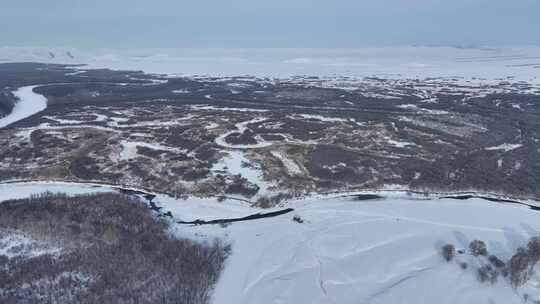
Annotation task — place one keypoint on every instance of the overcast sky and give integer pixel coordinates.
(269, 23)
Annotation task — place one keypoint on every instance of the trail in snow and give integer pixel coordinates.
(28, 104)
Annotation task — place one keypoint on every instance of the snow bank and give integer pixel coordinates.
(505, 147)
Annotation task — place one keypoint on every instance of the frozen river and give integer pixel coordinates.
(28, 104)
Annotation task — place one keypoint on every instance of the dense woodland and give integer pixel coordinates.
(103, 248)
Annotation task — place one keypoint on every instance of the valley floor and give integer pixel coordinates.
(348, 251)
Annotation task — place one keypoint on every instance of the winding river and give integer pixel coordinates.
(28, 104)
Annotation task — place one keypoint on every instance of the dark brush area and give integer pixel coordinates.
(370, 141)
(112, 250)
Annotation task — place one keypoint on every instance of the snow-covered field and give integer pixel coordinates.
(29, 104)
(384, 251)
(392, 62)
(346, 251)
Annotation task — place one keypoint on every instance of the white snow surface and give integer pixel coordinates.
(26, 189)
(506, 147)
(346, 251)
(289, 164)
(13, 243)
(384, 251)
(129, 148)
(28, 104)
(235, 163)
(400, 144)
(322, 118)
(214, 108)
(519, 62)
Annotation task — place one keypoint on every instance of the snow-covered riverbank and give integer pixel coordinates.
(349, 251)
(28, 104)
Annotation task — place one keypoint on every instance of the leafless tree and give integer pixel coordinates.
(448, 252)
(533, 248)
(478, 247)
(518, 268)
(113, 250)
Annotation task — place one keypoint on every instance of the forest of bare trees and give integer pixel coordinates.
(517, 270)
(111, 249)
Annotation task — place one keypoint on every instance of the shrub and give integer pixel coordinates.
(478, 247)
(496, 262)
(533, 248)
(448, 252)
(518, 268)
(487, 273)
(3, 260)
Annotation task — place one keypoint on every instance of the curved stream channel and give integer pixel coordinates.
(28, 104)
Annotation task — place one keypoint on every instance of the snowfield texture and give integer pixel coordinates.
(29, 104)
(347, 251)
(386, 62)
(384, 251)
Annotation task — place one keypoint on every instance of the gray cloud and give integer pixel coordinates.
(277, 23)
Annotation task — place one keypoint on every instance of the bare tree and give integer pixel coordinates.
(478, 247)
(533, 248)
(496, 262)
(518, 268)
(448, 252)
(487, 273)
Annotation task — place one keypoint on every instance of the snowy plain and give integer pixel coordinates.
(520, 63)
